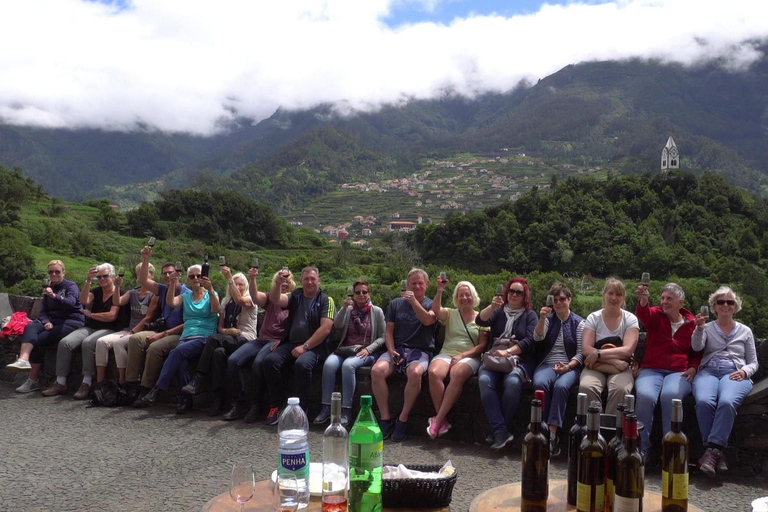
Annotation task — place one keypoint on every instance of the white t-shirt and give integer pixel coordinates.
(595, 322)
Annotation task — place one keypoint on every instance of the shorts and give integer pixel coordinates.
(422, 359)
(473, 362)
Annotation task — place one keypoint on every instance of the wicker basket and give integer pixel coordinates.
(418, 492)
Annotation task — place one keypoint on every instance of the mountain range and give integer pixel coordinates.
(614, 114)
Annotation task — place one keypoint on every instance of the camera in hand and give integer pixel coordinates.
(156, 325)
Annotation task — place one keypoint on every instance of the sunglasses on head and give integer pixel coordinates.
(518, 293)
(721, 302)
(195, 276)
(54, 272)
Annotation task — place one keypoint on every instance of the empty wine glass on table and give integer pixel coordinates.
(286, 493)
(241, 488)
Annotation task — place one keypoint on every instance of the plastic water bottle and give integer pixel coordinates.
(293, 447)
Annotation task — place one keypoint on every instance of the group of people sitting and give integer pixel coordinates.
(507, 344)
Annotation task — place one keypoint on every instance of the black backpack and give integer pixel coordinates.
(109, 394)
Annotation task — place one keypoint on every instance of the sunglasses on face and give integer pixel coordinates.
(558, 300)
(721, 302)
(54, 272)
(518, 293)
(103, 276)
(168, 272)
(195, 276)
(361, 292)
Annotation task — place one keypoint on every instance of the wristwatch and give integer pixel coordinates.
(305, 346)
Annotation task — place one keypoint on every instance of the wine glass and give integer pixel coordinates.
(286, 493)
(550, 301)
(645, 279)
(121, 271)
(151, 241)
(255, 262)
(243, 483)
(222, 261)
(350, 291)
(499, 290)
(704, 311)
(404, 285)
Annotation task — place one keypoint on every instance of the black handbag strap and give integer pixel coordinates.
(467, 329)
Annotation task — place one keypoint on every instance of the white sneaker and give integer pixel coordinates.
(28, 386)
(19, 366)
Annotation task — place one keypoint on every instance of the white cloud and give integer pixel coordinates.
(179, 64)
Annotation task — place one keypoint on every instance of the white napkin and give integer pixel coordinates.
(760, 505)
(400, 471)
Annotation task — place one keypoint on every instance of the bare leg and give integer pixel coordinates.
(101, 374)
(120, 375)
(34, 373)
(379, 374)
(437, 373)
(25, 351)
(460, 373)
(412, 389)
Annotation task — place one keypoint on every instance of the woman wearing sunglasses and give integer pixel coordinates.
(360, 326)
(201, 312)
(728, 361)
(61, 314)
(510, 317)
(669, 363)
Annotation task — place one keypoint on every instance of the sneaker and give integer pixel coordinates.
(501, 439)
(722, 464)
(147, 400)
(194, 386)
(28, 386)
(238, 411)
(20, 365)
(346, 416)
(55, 389)
(432, 428)
(489, 439)
(554, 445)
(83, 391)
(387, 427)
(444, 428)
(273, 416)
(400, 431)
(708, 461)
(323, 416)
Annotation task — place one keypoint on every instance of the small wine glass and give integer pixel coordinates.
(151, 241)
(645, 279)
(404, 285)
(550, 301)
(499, 290)
(286, 493)
(121, 271)
(285, 271)
(222, 261)
(704, 311)
(350, 291)
(243, 483)
(255, 262)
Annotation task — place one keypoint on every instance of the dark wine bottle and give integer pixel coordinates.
(539, 395)
(674, 464)
(630, 470)
(575, 435)
(611, 453)
(535, 477)
(590, 492)
(206, 267)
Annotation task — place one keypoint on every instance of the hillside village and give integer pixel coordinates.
(463, 183)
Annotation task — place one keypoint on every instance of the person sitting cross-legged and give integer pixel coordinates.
(410, 341)
(237, 325)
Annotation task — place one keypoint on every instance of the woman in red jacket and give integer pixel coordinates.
(669, 363)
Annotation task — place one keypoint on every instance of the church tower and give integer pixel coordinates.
(670, 158)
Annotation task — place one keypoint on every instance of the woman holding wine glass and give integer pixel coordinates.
(609, 342)
(670, 361)
(510, 317)
(557, 347)
(460, 355)
(723, 381)
(360, 328)
(61, 314)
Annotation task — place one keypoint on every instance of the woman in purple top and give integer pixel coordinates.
(61, 314)
(244, 376)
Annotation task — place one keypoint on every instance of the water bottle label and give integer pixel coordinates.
(296, 463)
(366, 456)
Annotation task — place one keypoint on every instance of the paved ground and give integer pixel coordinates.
(57, 455)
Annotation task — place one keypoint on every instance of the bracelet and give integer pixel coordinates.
(231, 281)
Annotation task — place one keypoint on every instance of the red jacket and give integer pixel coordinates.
(662, 350)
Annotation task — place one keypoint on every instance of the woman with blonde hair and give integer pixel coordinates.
(61, 314)
(245, 379)
(723, 380)
(460, 355)
(237, 325)
(608, 343)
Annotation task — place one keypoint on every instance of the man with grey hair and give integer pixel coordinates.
(309, 322)
(410, 341)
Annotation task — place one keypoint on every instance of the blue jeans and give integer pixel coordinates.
(500, 411)
(556, 389)
(178, 362)
(717, 398)
(245, 378)
(36, 334)
(348, 366)
(274, 370)
(649, 385)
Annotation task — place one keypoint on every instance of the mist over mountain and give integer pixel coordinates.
(615, 114)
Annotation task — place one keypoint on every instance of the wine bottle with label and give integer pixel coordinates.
(674, 464)
(590, 491)
(630, 470)
(535, 477)
(610, 455)
(575, 436)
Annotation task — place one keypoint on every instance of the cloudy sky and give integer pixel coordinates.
(184, 65)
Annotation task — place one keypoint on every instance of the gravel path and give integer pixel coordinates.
(58, 455)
